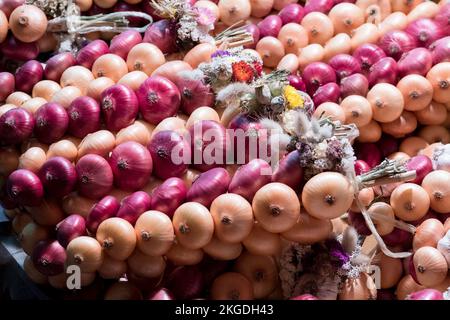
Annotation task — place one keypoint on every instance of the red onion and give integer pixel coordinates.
(194, 94)
(358, 222)
(51, 122)
(395, 43)
(367, 55)
(119, 107)
(297, 82)
(270, 26)
(15, 49)
(102, 210)
(305, 296)
(369, 152)
(387, 145)
(254, 30)
(398, 237)
(148, 8)
(24, 188)
(56, 65)
(244, 126)
(16, 126)
(72, 227)
(133, 206)
(95, 9)
(84, 116)
(383, 71)
(344, 65)
(426, 294)
(168, 196)
(124, 7)
(159, 98)
(317, 74)
(186, 282)
(209, 144)
(386, 294)
(208, 186)
(211, 269)
(422, 164)
(93, 50)
(249, 178)
(292, 13)
(361, 167)
(416, 61)
(161, 294)
(162, 34)
(425, 31)
(356, 84)
(440, 50)
(170, 153)
(58, 176)
(323, 6)
(429, 215)
(289, 171)
(8, 84)
(95, 177)
(131, 165)
(8, 6)
(329, 92)
(49, 257)
(5, 200)
(30, 73)
(443, 18)
(122, 43)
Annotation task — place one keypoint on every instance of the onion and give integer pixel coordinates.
(231, 286)
(289, 171)
(97, 86)
(344, 65)
(270, 26)
(133, 79)
(323, 6)
(146, 266)
(416, 90)
(86, 253)
(329, 92)
(102, 210)
(356, 84)
(28, 75)
(208, 186)
(308, 230)
(330, 110)
(232, 11)
(163, 35)
(56, 65)
(171, 69)
(123, 290)
(145, 57)
(406, 286)
(311, 53)
(367, 33)
(185, 282)
(439, 78)
(425, 294)
(111, 66)
(260, 270)
(391, 270)
(112, 268)
(15, 49)
(9, 161)
(45, 89)
(8, 6)
(8, 85)
(396, 43)
(95, 177)
(24, 188)
(58, 176)
(401, 126)
(271, 51)
(91, 52)
(202, 113)
(17, 98)
(254, 31)
(133, 206)
(33, 104)
(48, 213)
(291, 13)
(77, 76)
(32, 272)
(201, 53)
(262, 242)
(49, 257)
(168, 196)
(319, 26)
(306, 296)
(32, 159)
(410, 202)
(383, 71)
(122, 43)
(66, 96)
(360, 288)
(289, 62)
(432, 134)
(16, 125)
(327, 200)
(346, 17)
(84, 116)
(429, 266)
(394, 21)
(100, 142)
(428, 233)
(412, 145)
(249, 178)
(139, 131)
(31, 235)
(440, 50)
(194, 94)
(193, 225)
(425, 31)
(416, 61)
(70, 228)
(339, 44)
(154, 232)
(119, 107)
(117, 237)
(28, 23)
(387, 102)
(161, 295)
(222, 251)
(357, 110)
(182, 256)
(51, 123)
(422, 165)
(317, 74)
(433, 114)
(438, 190)
(367, 55)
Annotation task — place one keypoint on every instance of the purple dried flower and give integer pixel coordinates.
(337, 252)
(334, 149)
(220, 53)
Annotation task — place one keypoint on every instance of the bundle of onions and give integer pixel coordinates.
(86, 253)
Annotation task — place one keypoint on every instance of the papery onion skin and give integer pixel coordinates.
(93, 50)
(416, 61)
(356, 84)
(162, 34)
(208, 186)
(425, 31)
(28, 75)
(132, 165)
(396, 43)
(84, 116)
(194, 94)
(58, 176)
(95, 177)
(270, 26)
(329, 92)
(104, 209)
(133, 206)
(344, 65)
(16, 125)
(169, 196)
(119, 107)
(440, 49)
(426, 294)
(49, 257)
(185, 282)
(70, 228)
(51, 123)
(15, 49)
(8, 85)
(422, 165)
(24, 188)
(123, 42)
(368, 54)
(56, 65)
(383, 71)
(317, 74)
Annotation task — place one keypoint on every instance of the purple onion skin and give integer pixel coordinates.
(161, 294)
(316, 75)
(396, 43)
(84, 116)
(387, 145)
(169, 196)
(297, 82)
(51, 122)
(119, 106)
(211, 269)
(270, 26)
(369, 152)
(89, 53)
(443, 18)
(416, 61)
(122, 43)
(289, 171)
(386, 294)
(356, 84)
(16, 126)
(398, 237)
(186, 282)
(425, 31)
(7, 85)
(15, 49)
(426, 294)
(356, 219)
(305, 296)
(72, 227)
(323, 6)
(249, 178)
(102, 210)
(24, 188)
(58, 176)
(163, 35)
(345, 65)
(133, 206)
(422, 164)
(440, 49)
(292, 13)
(383, 71)
(134, 21)
(254, 30)
(361, 167)
(367, 55)
(329, 92)
(56, 65)
(95, 176)
(208, 186)
(49, 257)
(28, 75)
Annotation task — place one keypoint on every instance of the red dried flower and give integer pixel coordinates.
(258, 67)
(242, 71)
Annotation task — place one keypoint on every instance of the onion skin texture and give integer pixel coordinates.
(208, 186)
(289, 172)
(95, 177)
(133, 206)
(185, 282)
(119, 107)
(49, 257)
(104, 209)
(16, 126)
(231, 286)
(117, 237)
(70, 228)
(426, 294)
(154, 232)
(169, 196)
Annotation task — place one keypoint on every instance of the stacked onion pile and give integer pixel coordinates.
(86, 142)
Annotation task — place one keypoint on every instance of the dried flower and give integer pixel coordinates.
(242, 72)
(220, 53)
(293, 98)
(204, 16)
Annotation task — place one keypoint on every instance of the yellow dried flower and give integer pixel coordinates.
(293, 98)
